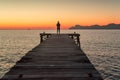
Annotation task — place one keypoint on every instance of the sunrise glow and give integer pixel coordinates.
(44, 14)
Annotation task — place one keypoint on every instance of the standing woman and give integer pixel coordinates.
(58, 27)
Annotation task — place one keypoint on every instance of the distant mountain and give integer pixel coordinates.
(109, 26)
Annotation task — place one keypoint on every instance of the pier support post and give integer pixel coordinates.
(44, 36)
(76, 38)
(41, 38)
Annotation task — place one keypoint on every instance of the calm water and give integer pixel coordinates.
(101, 46)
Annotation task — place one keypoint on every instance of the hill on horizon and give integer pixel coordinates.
(109, 26)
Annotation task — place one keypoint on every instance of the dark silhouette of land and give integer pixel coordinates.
(109, 26)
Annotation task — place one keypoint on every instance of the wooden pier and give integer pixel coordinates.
(57, 57)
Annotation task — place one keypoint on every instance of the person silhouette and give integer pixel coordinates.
(58, 27)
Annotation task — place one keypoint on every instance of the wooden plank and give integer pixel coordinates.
(53, 71)
(50, 76)
(55, 66)
(56, 58)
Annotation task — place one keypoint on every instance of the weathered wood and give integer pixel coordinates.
(56, 58)
(76, 38)
(44, 36)
(54, 77)
(56, 66)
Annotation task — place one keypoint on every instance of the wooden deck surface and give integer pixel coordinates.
(57, 58)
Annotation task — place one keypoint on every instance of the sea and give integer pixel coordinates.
(101, 46)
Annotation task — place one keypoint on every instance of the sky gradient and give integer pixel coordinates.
(44, 14)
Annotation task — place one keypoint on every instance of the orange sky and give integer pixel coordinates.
(44, 14)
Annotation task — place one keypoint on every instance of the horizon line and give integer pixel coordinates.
(46, 28)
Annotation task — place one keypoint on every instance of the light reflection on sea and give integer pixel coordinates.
(101, 46)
